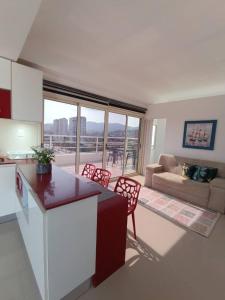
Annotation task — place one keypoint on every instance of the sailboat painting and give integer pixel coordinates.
(200, 134)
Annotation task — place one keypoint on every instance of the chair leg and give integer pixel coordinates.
(134, 227)
(127, 159)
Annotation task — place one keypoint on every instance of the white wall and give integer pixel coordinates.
(16, 135)
(16, 19)
(159, 146)
(196, 109)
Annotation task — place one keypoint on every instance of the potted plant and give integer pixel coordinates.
(44, 157)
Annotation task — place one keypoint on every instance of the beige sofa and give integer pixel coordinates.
(166, 177)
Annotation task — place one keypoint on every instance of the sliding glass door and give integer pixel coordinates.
(132, 145)
(115, 147)
(60, 132)
(91, 136)
(80, 135)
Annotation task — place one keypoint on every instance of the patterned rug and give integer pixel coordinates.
(197, 219)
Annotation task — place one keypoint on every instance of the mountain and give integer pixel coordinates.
(93, 127)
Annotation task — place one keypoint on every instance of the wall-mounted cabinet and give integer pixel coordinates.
(5, 104)
(27, 93)
(5, 74)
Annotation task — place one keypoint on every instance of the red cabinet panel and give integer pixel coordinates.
(5, 104)
(111, 237)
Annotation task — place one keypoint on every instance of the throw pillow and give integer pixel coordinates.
(204, 174)
(200, 174)
(212, 173)
(188, 170)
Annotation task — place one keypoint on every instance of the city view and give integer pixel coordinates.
(60, 128)
(66, 126)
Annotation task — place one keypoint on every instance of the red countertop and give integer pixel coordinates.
(58, 188)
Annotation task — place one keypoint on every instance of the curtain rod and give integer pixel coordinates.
(61, 89)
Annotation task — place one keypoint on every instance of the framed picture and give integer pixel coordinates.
(199, 134)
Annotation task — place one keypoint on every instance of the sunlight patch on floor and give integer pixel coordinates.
(161, 235)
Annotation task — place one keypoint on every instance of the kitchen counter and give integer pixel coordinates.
(57, 217)
(74, 230)
(6, 161)
(58, 188)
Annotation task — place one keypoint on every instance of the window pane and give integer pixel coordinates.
(131, 159)
(60, 124)
(116, 143)
(91, 136)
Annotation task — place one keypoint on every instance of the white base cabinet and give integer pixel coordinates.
(31, 223)
(8, 199)
(60, 242)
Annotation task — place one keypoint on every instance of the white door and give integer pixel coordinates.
(158, 139)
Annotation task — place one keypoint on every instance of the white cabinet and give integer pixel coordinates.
(5, 74)
(27, 93)
(60, 242)
(31, 222)
(8, 199)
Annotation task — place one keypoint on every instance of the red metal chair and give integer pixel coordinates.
(88, 171)
(102, 177)
(129, 188)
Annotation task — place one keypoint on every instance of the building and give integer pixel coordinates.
(48, 128)
(73, 126)
(60, 126)
(83, 126)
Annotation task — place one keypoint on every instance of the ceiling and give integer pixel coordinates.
(16, 19)
(140, 51)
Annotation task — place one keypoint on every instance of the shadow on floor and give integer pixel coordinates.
(141, 248)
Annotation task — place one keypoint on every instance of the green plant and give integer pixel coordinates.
(43, 155)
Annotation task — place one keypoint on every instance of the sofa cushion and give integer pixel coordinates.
(180, 183)
(218, 182)
(169, 163)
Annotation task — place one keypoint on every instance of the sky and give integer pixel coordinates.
(56, 110)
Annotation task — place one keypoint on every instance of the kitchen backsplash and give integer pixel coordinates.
(18, 136)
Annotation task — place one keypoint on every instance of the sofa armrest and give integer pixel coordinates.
(218, 183)
(150, 170)
(217, 195)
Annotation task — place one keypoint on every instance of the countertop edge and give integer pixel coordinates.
(48, 207)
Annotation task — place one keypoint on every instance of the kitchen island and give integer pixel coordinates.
(58, 220)
(61, 219)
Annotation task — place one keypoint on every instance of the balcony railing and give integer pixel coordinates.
(63, 144)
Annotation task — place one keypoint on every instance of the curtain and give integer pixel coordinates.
(146, 135)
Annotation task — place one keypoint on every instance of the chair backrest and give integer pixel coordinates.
(128, 188)
(88, 171)
(102, 177)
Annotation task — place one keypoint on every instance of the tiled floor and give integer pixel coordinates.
(167, 262)
(116, 169)
(16, 277)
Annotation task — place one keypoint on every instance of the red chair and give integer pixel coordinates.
(88, 171)
(102, 177)
(129, 188)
